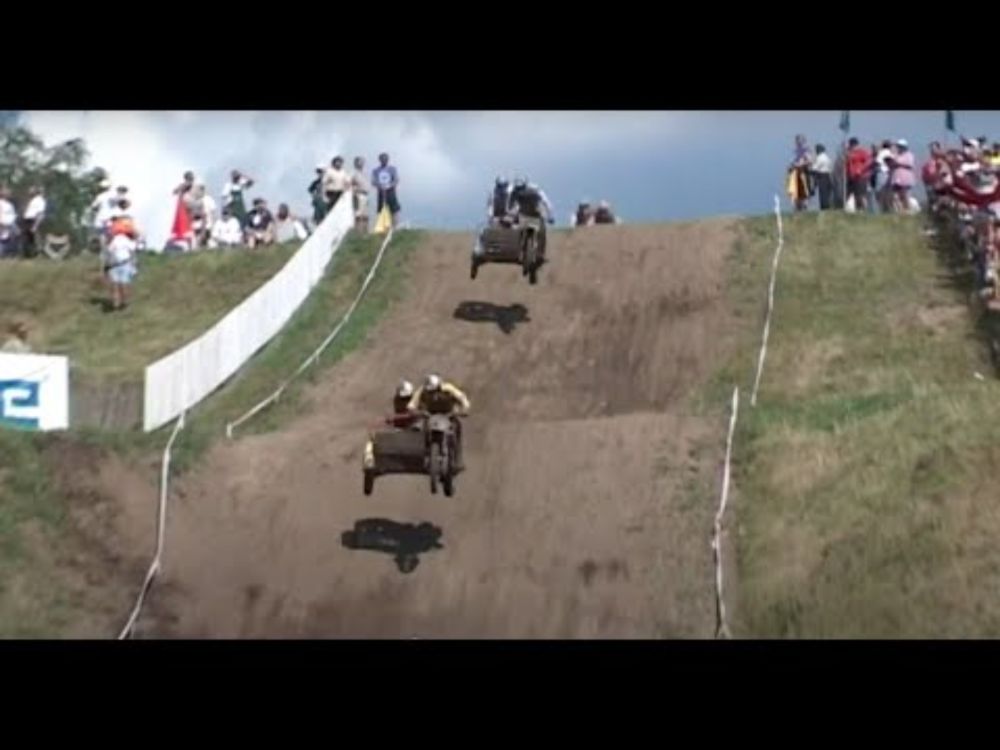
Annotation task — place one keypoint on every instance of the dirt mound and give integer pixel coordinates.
(579, 514)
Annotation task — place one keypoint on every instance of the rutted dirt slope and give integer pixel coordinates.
(579, 514)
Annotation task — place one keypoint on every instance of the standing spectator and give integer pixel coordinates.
(232, 195)
(316, 193)
(799, 187)
(822, 170)
(187, 185)
(260, 224)
(287, 227)
(8, 224)
(101, 209)
(386, 180)
(859, 168)
(361, 186)
(226, 231)
(120, 261)
(931, 175)
(883, 174)
(32, 220)
(336, 181)
(205, 210)
(903, 176)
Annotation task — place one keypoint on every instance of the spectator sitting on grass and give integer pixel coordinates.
(260, 224)
(226, 232)
(17, 342)
(120, 260)
(287, 228)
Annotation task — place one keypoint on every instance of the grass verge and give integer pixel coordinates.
(175, 298)
(864, 505)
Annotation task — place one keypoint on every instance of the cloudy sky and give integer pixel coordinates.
(652, 166)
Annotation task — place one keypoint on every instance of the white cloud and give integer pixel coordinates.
(441, 156)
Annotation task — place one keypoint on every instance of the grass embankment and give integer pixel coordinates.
(175, 299)
(36, 596)
(865, 477)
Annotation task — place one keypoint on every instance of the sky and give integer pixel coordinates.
(652, 166)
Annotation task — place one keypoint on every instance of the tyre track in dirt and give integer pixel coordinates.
(578, 513)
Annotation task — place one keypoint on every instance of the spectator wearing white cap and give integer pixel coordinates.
(903, 177)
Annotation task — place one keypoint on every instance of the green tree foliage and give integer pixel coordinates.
(61, 170)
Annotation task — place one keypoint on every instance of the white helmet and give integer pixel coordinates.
(520, 181)
(432, 383)
(405, 389)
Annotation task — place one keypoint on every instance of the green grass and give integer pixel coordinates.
(175, 298)
(865, 504)
(33, 599)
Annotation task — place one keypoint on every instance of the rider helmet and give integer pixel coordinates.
(520, 182)
(502, 181)
(433, 383)
(405, 389)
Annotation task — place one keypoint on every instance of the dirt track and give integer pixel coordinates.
(577, 516)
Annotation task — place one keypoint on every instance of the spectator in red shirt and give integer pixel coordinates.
(859, 167)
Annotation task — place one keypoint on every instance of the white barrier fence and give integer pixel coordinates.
(311, 359)
(180, 380)
(34, 392)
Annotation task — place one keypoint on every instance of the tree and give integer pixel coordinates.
(70, 187)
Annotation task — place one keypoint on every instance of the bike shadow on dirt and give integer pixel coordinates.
(404, 541)
(506, 317)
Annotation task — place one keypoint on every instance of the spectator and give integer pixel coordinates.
(883, 185)
(336, 181)
(32, 220)
(120, 261)
(903, 176)
(117, 209)
(822, 169)
(101, 209)
(187, 184)
(226, 231)
(17, 343)
(799, 179)
(8, 224)
(203, 214)
(232, 195)
(260, 224)
(995, 156)
(859, 169)
(604, 214)
(361, 186)
(287, 228)
(386, 180)
(931, 174)
(316, 193)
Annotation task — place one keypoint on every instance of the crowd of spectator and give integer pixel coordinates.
(963, 196)
(961, 187)
(877, 177)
